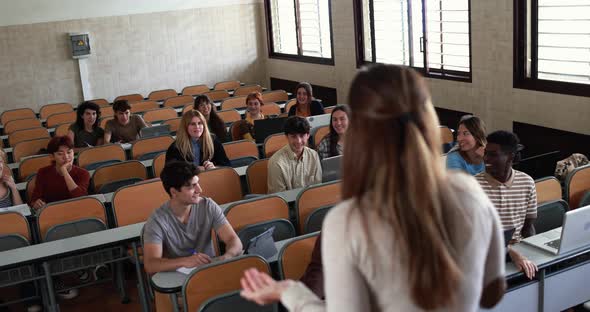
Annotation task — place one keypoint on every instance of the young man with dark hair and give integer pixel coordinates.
(125, 127)
(511, 191)
(178, 234)
(295, 165)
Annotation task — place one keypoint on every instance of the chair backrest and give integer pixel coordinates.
(576, 184)
(290, 104)
(239, 149)
(30, 186)
(100, 102)
(14, 114)
(271, 109)
(446, 135)
(227, 85)
(135, 203)
(74, 228)
(217, 278)
(234, 102)
(260, 209)
(187, 108)
(107, 111)
(160, 114)
(316, 219)
(149, 145)
(319, 133)
(548, 189)
(273, 143)
(158, 164)
(232, 301)
(14, 223)
(222, 184)
(9, 242)
(174, 123)
(194, 90)
(245, 90)
(316, 196)
(27, 134)
(275, 96)
(62, 129)
(162, 94)
(550, 215)
(118, 171)
(19, 124)
(257, 176)
(31, 165)
(295, 256)
(69, 210)
(217, 95)
(131, 98)
(100, 154)
(229, 115)
(28, 148)
(143, 106)
(178, 101)
(329, 109)
(283, 229)
(103, 121)
(60, 118)
(50, 109)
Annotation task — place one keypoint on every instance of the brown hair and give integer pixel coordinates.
(307, 87)
(476, 127)
(395, 124)
(255, 96)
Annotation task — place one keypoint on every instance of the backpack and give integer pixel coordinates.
(566, 166)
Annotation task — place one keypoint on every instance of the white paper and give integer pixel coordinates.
(184, 270)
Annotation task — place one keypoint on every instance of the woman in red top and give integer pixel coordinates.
(61, 180)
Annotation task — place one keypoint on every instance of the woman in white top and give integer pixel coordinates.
(409, 236)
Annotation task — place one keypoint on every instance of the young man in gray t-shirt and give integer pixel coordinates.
(178, 234)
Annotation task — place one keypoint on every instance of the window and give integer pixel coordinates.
(300, 30)
(432, 36)
(552, 46)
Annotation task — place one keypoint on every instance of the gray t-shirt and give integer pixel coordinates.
(178, 239)
(126, 133)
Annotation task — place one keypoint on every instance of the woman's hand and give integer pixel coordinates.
(9, 181)
(261, 288)
(208, 165)
(523, 264)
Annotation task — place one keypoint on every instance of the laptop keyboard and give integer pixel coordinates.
(554, 243)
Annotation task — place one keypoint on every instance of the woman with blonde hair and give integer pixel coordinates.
(409, 236)
(195, 144)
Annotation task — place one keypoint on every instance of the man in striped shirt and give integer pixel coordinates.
(511, 191)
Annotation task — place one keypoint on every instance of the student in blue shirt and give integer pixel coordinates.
(467, 154)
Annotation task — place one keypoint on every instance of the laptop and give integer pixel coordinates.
(154, 131)
(262, 244)
(264, 128)
(574, 234)
(331, 170)
(318, 120)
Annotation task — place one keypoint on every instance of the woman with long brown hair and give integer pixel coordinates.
(305, 105)
(409, 236)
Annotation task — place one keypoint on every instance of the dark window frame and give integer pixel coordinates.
(299, 57)
(520, 44)
(429, 73)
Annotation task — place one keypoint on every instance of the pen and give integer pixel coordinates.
(193, 251)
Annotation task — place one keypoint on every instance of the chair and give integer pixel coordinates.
(14, 114)
(232, 301)
(271, 109)
(283, 229)
(243, 148)
(103, 121)
(187, 108)
(60, 118)
(130, 170)
(257, 176)
(217, 95)
(31, 165)
(107, 111)
(179, 101)
(329, 109)
(295, 256)
(194, 90)
(100, 102)
(318, 134)
(131, 98)
(135, 203)
(314, 221)
(222, 184)
(446, 135)
(229, 115)
(227, 85)
(585, 201)
(62, 129)
(27, 134)
(162, 94)
(100, 154)
(260, 209)
(316, 196)
(234, 102)
(576, 184)
(159, 114)
(550, 215)
(217, 278)
(28, 148)
(147, 148)
(50, 109)
(174, 124)
(14, 223)
(142, 106)
(158, 164)
(275, 96)
(245, 90)
(20, 124)
(273, 143)
(290, 104)
(30, 186)
(548, 189)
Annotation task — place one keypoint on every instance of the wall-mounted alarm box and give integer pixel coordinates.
(80, 43)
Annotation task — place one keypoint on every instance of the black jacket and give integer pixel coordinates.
(219, 157)
(316, 108)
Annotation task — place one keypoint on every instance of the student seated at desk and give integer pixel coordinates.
(216, 125)
(178, 234)
(9, 195)
(125, 127)
(61, 180)
(85, 132)
(467, 154)
(254, 107)
(511, 191)
(295, 165)
(306, 106)
(194, 143)
(333, 143)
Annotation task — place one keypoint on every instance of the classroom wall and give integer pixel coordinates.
(490, 95)
(137, 46)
